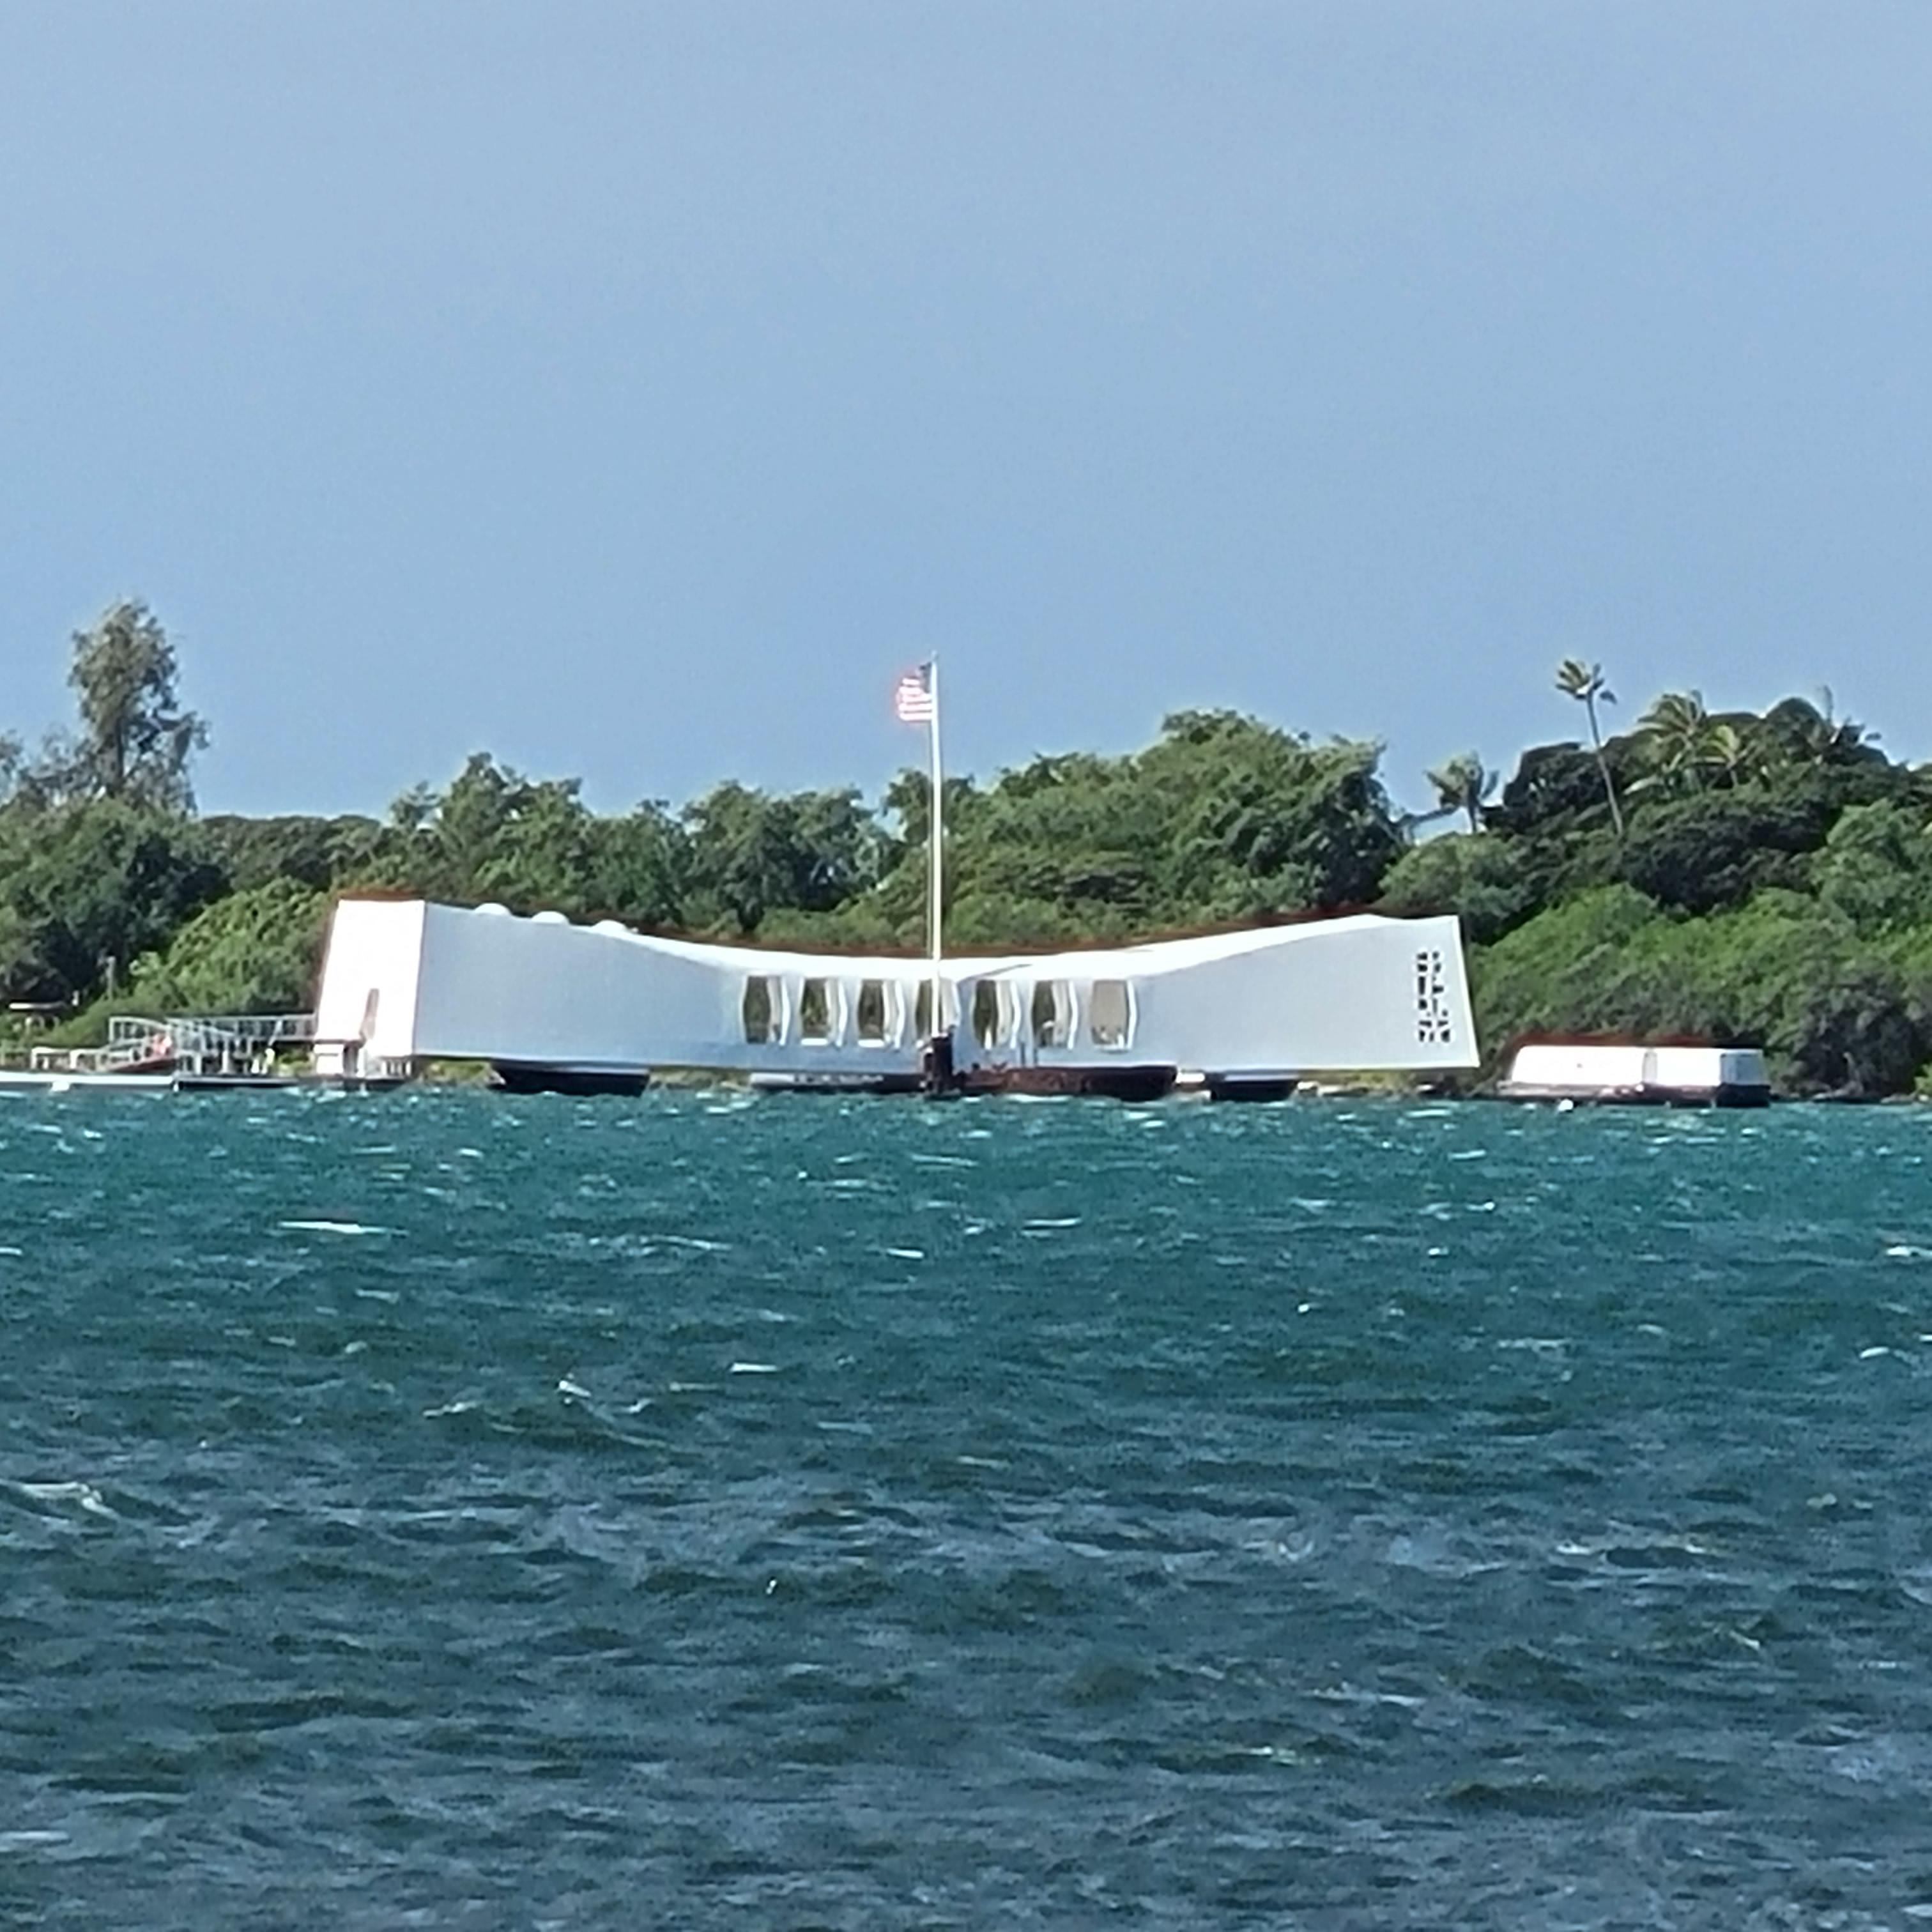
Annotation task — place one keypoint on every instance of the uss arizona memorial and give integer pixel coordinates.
(549, 1003)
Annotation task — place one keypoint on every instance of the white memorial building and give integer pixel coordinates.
(550, 1004)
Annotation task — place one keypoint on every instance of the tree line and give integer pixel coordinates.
(1752, 877)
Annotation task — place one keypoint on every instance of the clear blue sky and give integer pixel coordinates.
(634, 390)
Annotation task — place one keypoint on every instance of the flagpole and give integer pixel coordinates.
(935, 877)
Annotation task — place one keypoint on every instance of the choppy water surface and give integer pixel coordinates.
(440, 1508)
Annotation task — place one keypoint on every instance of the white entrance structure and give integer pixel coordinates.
(549, 1003)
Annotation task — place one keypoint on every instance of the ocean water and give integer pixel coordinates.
(440, 1509)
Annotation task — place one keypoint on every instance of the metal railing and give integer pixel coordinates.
(196, 1044)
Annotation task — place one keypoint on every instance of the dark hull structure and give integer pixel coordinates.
(221, 1083)
(835, 1083)
(1131, 1083)
(1226, 1087)
(1740, 1096)
(515, 1077)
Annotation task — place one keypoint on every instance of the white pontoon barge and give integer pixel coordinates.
(1668, 1073)
(552, 1005)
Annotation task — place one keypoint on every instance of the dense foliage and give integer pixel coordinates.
(1766, 879)
(1772, 884)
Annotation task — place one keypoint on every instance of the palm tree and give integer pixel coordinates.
(1736, 755)
(1585, 682)
(1807, 734)
(1463, 785)
(1676, 735)
(1688, 748)
(1843, 740)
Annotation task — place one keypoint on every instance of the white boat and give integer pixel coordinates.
(1671, 1072)
(550, 1004)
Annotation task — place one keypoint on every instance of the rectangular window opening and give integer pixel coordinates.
(1052, 1013)
(986, 1013)
(1110, 1017)
(921, 1011)
(870, 1013)
(814, 1011)
(761, 1010)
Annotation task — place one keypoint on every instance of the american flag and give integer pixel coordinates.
(913, 697)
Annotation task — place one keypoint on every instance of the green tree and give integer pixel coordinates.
(1805, 733)
(254, 952)
(319, 852)
(1554, 789)
(1876, 870)
(1857, 1034)
(751, 852)
(90, 887)
(531, 843)
(136, 743)
(641, 866)
(1715, 849)
(547, 850)
(25, 970)
(1073, 832)
(1254, 820)
(1477, 875)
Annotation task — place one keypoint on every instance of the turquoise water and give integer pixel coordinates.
(444, 1509)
